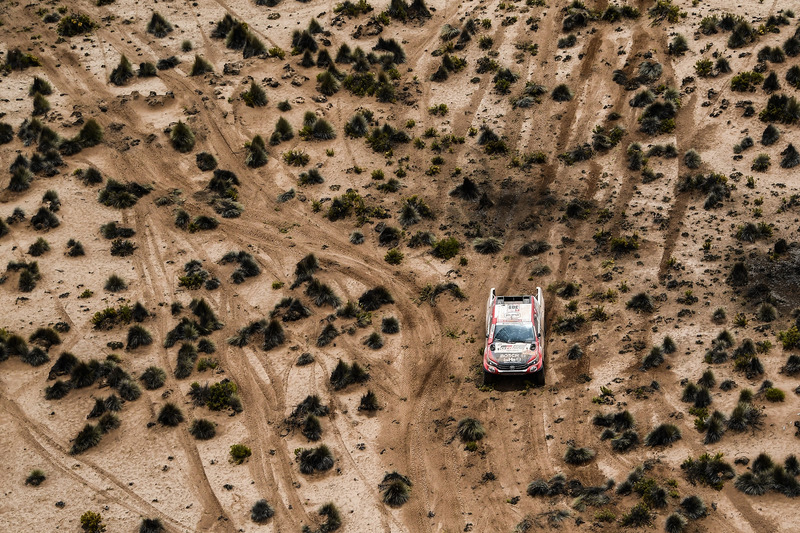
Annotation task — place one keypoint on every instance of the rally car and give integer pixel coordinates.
(514, 336)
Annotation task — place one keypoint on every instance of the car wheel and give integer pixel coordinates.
(538, 378)
(488, 378)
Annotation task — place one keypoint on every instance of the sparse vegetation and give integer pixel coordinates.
(663, 435)
(261, 512)
(202, 429)
(313, 460)
(470, 430)
(239, 453)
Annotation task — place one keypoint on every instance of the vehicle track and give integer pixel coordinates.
(37, 436)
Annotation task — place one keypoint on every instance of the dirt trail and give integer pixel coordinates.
(427, 377)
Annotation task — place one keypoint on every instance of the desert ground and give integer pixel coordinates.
(609, 154)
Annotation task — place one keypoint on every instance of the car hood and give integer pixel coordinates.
(504, 347)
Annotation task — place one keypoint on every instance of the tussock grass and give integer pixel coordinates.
(88, 437)
(395, 489)
(344, 374)
(261, 512)
(201, 66)
(627, 441)
(170, 415)
(641, 302)
(653, 359)
(313, 460)
(333, 518)
(311, 405)
(274, 335)
(390, 325)
(374, 341)
(108, 422)
(305, 359)
(487, 245)
(369, 402)
(312, 428)
(693, 507)
(153, 377)
(327, 335)
(708, 470)
(322, 294)
(675, 523)
(151, 525)
(663, 435)
(470, 430)
(374, 299)
(35, 478)
(138, 336)
(532, 248)
(202, 429)
(35, 357)
(578, 456)
(57, 390)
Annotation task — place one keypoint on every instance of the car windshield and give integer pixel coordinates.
(513, 333)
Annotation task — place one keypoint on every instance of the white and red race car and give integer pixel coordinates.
(514, 336)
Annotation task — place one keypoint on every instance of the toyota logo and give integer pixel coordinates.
(512, 367)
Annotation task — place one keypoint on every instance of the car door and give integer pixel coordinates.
(489, 310)
(540, 315)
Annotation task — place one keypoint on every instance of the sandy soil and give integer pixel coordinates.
(427, 377)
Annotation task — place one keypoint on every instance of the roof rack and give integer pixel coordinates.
(514, 299)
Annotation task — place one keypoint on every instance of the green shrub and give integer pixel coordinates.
(92, 522)
(774, 394)
(446, 248)
(18, 60)
(222, 395)
(746, 81)
(394, 256)
(75, 24)
(296, 158)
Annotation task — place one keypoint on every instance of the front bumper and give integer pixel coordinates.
(512, 368)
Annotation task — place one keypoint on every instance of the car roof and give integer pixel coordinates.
(513, 312)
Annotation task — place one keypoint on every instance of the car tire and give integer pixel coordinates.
(538, 378)
(488, 378)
